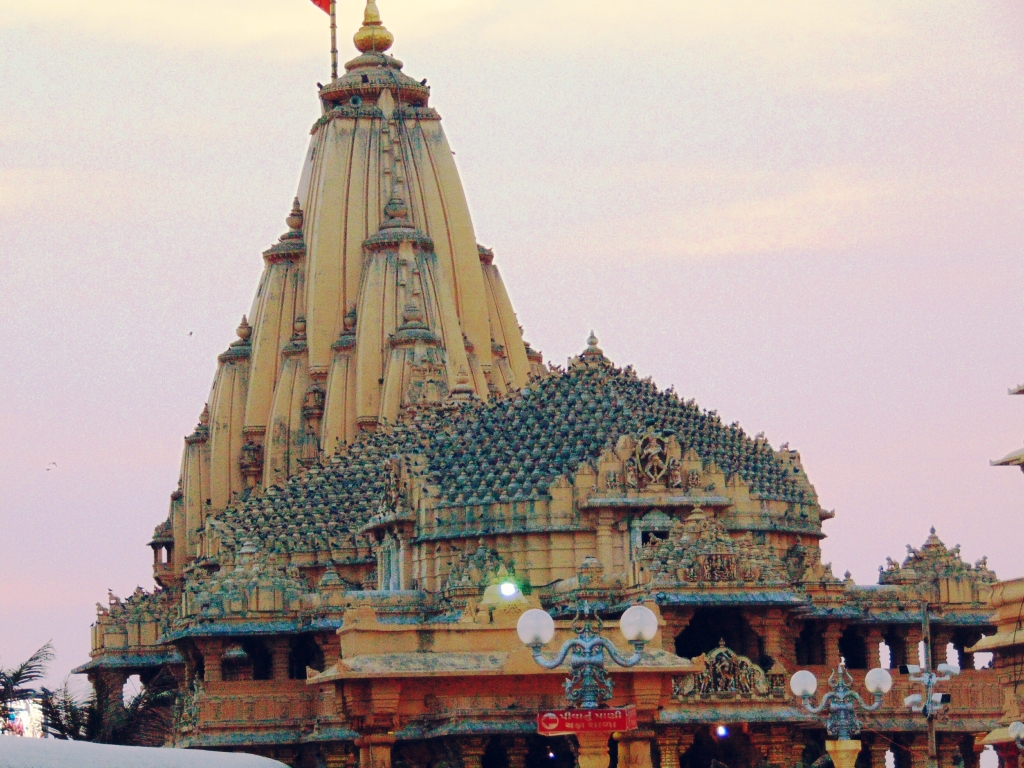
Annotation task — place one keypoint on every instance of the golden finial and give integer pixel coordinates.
(373, 35)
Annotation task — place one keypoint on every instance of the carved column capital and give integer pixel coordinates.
(668, 747)
(517, 752)
(831, 635)
(212, 649)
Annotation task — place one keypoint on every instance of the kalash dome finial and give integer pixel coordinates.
(373, 35)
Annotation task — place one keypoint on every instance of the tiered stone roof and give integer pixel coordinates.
(510, 450)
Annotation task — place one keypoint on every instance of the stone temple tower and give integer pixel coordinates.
(378, 296)
(386, 478)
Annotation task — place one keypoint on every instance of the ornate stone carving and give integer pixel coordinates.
(651, 464)
(727, 675)
(478, 568)
(702, 551)
(391, 495)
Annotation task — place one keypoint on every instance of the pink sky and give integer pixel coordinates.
(806, 215)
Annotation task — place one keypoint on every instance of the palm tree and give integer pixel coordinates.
(144, 720)
(16, 683)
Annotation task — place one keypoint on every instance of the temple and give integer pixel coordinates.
(1007, 646)
(386, 476)
(1015, 459)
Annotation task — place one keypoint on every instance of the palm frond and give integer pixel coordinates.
(16, 683)
(65, 717)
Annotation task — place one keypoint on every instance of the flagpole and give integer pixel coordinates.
(334, 43)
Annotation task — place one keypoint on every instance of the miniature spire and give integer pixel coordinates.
(396, 213)
(593, 352)
(244, 330)
(294, 219)
(373, 35)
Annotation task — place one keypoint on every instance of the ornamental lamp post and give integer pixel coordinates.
(589, 685)
(931, 703)
(842, 702)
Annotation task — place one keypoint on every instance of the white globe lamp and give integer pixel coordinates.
(803, 683)
(535, 626)
(1016, 730)
(878, 681)
(639, 623)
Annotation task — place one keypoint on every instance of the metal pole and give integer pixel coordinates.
(334, 43)
(926, 633)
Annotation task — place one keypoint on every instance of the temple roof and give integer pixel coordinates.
(509, 450)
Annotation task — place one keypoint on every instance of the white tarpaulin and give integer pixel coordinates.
(18, 752)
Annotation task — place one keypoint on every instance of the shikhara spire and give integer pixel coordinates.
(377, 297)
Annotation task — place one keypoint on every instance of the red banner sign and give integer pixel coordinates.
(567, 721)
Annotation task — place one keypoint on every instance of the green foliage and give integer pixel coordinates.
(16, 683)
(102, 717)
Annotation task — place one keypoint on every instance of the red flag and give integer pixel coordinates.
(323, 5)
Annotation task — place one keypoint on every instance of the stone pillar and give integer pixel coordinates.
(635, 749)
(797, 747)
(917, 746)
(592, 753)
(473, 751)
(780, 745)
(913, 635)
(109, 687)
(759, 741)
(338, 756)
(896, 639)
(873, 637)
(375, 750)
(779, 642)
(831, 637)
(878, 747)
(668, 747)
(212, 650)
(405, 567)
(675, 622)
(941, 637)
(605, 550)
(517, 752)
(279, 650)
(947, 750)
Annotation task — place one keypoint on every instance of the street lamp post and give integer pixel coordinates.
(842, 703)
(589, 685)
(930, 703)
